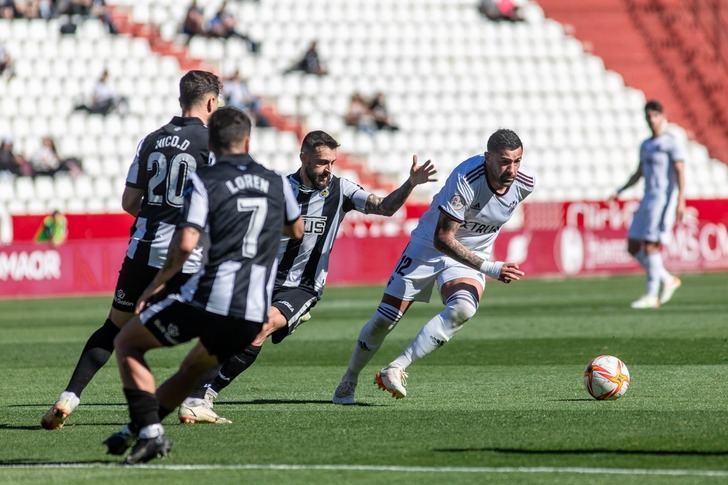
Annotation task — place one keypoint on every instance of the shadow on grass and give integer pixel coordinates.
(40, 462)
(47, 404)
(288, 401)
(36, 427)
(592, 451)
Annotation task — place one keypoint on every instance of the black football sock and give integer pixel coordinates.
(205, 382)
(163, 412)
(95, 354)
(143, 408)
(235, 366)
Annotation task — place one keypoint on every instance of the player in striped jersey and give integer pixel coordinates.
(241, 208)
(153, 195)
(303, 265)
(662, 164)
(451, 246)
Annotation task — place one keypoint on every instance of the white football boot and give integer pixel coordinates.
(669, 288)
(646, 301)
(344, 393)
(193, 410)
(393, 380)
(59, 412)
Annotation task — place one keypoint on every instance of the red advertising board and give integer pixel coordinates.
(563, 238)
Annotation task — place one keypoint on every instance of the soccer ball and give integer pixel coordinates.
(606, 377)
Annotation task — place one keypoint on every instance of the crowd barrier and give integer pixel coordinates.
(546, 239)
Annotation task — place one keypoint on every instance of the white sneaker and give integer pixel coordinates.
(646, 301)
(393, 380)
(59, 412)
(193, 411)
(344, 393)
(668, 289)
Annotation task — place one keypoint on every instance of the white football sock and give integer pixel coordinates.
(72, 399)
(370, 339)
(460, 307)
(655, 272)
(151, 431)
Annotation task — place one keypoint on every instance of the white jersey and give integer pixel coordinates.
(467, 197)
(657, 161)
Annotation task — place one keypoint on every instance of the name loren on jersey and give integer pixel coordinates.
(247, 181)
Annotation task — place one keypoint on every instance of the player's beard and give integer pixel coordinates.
(319, 182)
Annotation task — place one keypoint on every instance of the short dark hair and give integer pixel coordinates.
(503, 139)
(654, 105)
(195, 85)
(227, 126)
(316, 139)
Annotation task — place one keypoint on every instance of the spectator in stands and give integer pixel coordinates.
(500, 10)
(104, 99)
(359, 115)
(10, 162)
(6, 62)
(194, 22)
(224, 25)
(46, 161)
(310, 63)
(237, 94)
(378, 108)
(8, 10)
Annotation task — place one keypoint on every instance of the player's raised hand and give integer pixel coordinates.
(510, 272)
(420, 174)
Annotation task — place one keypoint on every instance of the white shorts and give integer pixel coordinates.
(420, 267)
(653, 221)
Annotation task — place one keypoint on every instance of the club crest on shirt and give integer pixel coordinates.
(325, 192)
(456, 202)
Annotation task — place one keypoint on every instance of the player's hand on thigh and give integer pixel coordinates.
(510, 272)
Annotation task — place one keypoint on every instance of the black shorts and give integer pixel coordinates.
(134, 277)
(174, 322)
(293, 303)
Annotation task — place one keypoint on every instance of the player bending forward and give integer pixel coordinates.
(451, 246)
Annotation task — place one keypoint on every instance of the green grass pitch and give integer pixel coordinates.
(502, 402)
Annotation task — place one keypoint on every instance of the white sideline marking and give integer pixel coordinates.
(384, 468)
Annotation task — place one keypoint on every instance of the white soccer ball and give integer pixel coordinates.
(606, 377)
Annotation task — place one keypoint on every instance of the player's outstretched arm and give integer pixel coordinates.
(183, 243)
(386, 206)
(633, 179)
(445, 242)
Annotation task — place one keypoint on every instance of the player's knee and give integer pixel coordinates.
(460, 307)
(386, 317)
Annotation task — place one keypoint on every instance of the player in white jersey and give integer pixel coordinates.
(451, 246)
(662, 164)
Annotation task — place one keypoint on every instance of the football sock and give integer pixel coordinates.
(163, 412)
(234, 366)
(371, 337)
(94, 355)
(151, 431)
(460, 307)
(655, 270)
(205, 382)
(143, 408)
(641, 258)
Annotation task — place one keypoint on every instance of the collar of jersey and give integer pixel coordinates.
(236, 159)
(186, 120)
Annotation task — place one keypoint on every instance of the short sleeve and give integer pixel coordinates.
(457, 195)
(677, 150)
(355, 197)
(293, 211)
(134, 177)
(196, 204)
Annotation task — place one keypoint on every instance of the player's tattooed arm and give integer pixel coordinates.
(446, 243)
(386, 206)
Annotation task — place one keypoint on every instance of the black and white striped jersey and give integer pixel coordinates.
(241, 207)
(305, 263)
(164, 160)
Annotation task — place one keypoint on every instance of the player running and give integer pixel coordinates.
(451, 246)
(303, 265)
(662, 164)
(164, 160)
(241, 208)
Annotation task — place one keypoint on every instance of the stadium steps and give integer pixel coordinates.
(655, 47)
(127, 26)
